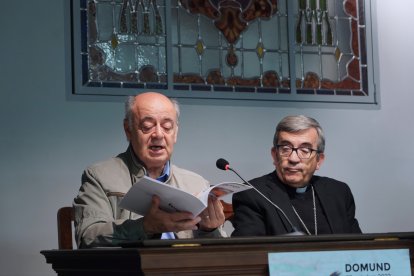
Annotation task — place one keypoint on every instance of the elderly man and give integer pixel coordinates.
(296, 199)
(151, 127)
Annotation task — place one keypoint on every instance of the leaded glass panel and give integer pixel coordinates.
(277, 50)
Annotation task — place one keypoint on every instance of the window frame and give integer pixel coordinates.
(76, 90)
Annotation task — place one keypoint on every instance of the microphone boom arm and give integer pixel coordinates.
(223, 164)
(295, 230)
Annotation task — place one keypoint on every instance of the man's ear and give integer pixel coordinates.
(176, 134)
(275, 157)
(319, 160)
(127, 130)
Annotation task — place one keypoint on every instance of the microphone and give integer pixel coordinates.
(224, 165)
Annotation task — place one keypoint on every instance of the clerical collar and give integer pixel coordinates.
(293, 192)
(301, 190)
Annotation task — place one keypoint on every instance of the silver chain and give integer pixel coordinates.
(314, 215)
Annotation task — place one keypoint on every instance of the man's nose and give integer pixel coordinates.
(294, 157)
(157, 132)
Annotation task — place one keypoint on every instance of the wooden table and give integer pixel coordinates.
(226, 256)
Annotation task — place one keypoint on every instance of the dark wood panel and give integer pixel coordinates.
(230, 256)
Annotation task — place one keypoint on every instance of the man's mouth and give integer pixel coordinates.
(156, 148)
(291, 170)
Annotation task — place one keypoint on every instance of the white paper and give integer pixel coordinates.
(138, 198)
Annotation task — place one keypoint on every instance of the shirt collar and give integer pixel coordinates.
(165, 173)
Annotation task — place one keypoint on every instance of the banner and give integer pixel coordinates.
(383, 262)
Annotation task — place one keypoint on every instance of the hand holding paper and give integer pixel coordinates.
(158, 221)
(213, 216)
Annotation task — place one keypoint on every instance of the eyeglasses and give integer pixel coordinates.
(302, 152)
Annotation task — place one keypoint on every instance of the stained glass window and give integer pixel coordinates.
(265, 50)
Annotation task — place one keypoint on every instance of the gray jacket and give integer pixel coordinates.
(98, 219)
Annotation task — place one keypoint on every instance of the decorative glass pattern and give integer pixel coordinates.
(232, 44)
(277, 50)
(125, 43)
(329, 36)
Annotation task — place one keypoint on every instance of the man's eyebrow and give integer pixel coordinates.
(147, 118)
(167, 120)
(152, 119)
(285, 142)
(305, 144)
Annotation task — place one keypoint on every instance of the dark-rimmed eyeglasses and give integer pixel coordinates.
(302, 152)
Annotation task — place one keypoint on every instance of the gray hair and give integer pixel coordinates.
(130, 102)
(298, 123)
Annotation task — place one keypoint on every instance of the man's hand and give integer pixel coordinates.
(158, 221)
(213, 216)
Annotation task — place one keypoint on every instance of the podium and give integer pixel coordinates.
(224, 256)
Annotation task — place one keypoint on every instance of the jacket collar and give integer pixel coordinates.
(136, 167)
(277, 193)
